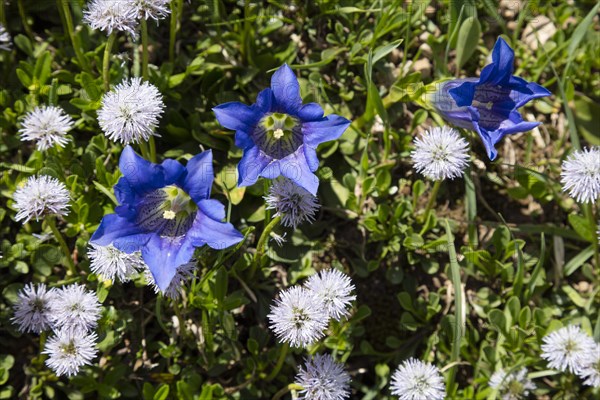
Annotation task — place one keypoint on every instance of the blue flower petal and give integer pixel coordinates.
(216, 234)
(311, 158)
(295, 167)
(123, 191)
(272, 171)
(286, 90)
(310, 112)
(200, 175)
(213, 208)
(329, 128)
(264, 101)
(251, 166)
(173, 171)
(142, 175)
(164, 254)
(501, 68)
(237, 116)
(113, 227)
(131, 243)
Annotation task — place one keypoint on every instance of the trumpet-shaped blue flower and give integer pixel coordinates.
(165, 212)
(488, 105)
(279, 134)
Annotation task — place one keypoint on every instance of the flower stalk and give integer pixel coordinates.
(106, 60)
(262, 243)
(63, 245)
(283, 350)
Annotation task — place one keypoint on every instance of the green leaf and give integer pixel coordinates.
(468, 37)
(92, 90)
(383, 51)
(577, 261)
(498, 321)
(578, 36)
(220, 289)
(582, 226)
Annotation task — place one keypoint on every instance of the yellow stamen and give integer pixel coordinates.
(278, 133)
(169, 214)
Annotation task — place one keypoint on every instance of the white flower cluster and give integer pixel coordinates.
(4, 39)
(123, 15)
(47, 126)
(293, 203)
(440, 154)
(39, 196)
(416, 380)
(512, 385)
(301, 314)
(323, 379)
(580, 175)
(570, 349)
(71, 312)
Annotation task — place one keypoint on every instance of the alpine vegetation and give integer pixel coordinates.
(440, 154)
(416, 380)
(298, 318)
(580, 175)
(512, 385)
(112, 263)
(41, 196)
(488, 104)
(334, 289)
(322, 378)
(278, 134)
(165, 212)
(73, 308)
(130, 113)
(32, 310)
(69, 350)
(112, 15)
(47, 127)
(567, 349)
(293, 203)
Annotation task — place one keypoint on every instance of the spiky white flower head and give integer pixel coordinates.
(184, 273)
(155, 9)
(47, 126)
(75, 308)
(580, 175)
(130, 113)
(440, 153)
(39, 196)
(277, 238)
(590, 372)
(110, 262)
(68, 350)
(4, 39)
(293, 203)
(416, 380)
(567, 349)
(298, 317)
(323, 379)
(32, 310)
(334, 289)
(112, 15)
(513, 385)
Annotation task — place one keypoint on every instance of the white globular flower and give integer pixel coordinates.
(130, 113)
(70, 350)
(184, 273)
(323, 379)
(590, 372)
(293, 203)
(47, 127)
(416, 380)
(112, 15)
(513, 385)
(440, 154)
(32, 310)
(74, 308)
(40, 196)
(155, 9)
(298, 317)
(333, 288)
(4, 39)
(567, 348)
(580, 175)
(110, 262)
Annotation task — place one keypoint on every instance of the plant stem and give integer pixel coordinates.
(283, 391)
(23, 16)
(264, 237)
(63, 245)
(144, 150)
(432, 197)
(152, 152)
(176, 7)
(74, 38)
(144, 49)
(459, 312)
(588, 211)
(282, 354)
(106, 60)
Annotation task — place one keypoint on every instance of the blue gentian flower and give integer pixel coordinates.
(279, 134)
(488, 105)
(165, 212)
